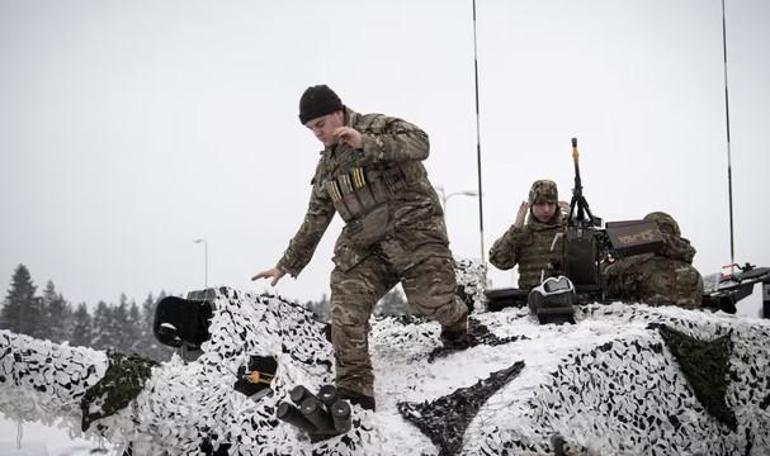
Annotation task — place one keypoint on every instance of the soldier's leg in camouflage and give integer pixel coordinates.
(353, 295)
(430, 288)
(670, 282)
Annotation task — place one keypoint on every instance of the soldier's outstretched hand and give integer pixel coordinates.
(521, 215)
(274, 273)
(349, 136)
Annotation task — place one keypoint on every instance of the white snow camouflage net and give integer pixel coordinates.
(608, 385)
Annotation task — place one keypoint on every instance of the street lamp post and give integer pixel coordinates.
(205, 261)
(445, 197)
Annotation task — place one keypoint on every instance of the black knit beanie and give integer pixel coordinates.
(318, 101)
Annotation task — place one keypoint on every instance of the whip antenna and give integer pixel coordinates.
(478, 136)
(727, 125)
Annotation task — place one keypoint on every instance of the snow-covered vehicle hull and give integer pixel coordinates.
(616, 382)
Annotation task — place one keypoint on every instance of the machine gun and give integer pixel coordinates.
(587, 246)
(723, 291)
(584, 242)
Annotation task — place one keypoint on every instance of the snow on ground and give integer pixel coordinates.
(41, 440)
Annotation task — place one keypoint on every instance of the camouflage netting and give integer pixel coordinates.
(123, 381)
(705, 365)
(471, 283)
(43, 381)
(623, 391)
(445, 419)
(478, 335)
(608, 385)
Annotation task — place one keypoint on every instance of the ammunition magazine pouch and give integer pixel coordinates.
(370, 228)
(361, 197)
(360, 190)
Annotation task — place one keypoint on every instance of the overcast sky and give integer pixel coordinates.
(128, 129)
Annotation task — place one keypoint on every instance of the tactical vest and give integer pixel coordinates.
(360, 190)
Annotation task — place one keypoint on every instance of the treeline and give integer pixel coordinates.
(124, 326)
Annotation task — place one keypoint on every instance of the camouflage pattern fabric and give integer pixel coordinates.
(415, 214)
(657, 281)
(530, 248)
(413, 248)
(666, 223)
(663, 278)
(543, 191)
(429, 287)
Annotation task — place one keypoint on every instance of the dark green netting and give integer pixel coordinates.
(705, 366)
(445, 419)
(123, 381)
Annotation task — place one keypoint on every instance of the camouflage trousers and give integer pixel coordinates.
(430, 289)
(658, 281)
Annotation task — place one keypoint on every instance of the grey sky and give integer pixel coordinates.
(128, 129)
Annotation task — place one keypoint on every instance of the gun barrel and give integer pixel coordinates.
(328, 395)
(341, 416)
(290, 414)
(299, 393)
(576, 160)
(575, 153)
(313, 410)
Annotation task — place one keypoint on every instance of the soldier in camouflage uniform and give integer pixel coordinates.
(666, 277)
(370, 172)
(529, 245)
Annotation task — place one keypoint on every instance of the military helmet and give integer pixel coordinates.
(666, 223)
(543, 191)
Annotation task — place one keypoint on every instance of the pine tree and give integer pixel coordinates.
(82, 330)
(134, 328)
(145, 326)
(151, 348)
(22, 311)
(118, 325)
(58, 315)
(101, 336)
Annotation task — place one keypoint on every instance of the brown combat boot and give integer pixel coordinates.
(456, 335)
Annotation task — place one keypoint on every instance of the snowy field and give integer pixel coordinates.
(41, 440)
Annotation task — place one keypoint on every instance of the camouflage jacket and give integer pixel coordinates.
(666, 277)
(413, 216)
(530, 248)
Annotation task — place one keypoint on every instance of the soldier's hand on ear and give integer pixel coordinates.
(349, 136)
(275, 273)
(564, 208)
(521, 215)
